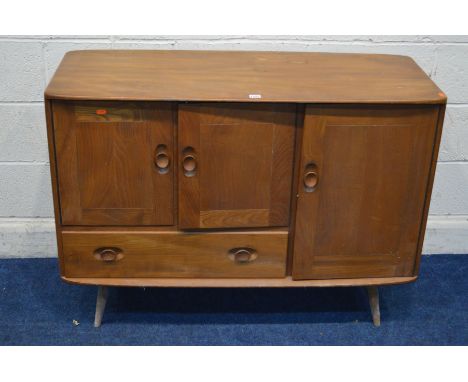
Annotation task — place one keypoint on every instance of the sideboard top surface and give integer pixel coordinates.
(241, 77)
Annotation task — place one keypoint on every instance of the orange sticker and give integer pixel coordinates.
(101, 111)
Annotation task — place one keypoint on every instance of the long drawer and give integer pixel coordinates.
(174, 254)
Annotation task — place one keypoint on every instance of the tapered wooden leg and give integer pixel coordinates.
(373, 293)
(100, 305)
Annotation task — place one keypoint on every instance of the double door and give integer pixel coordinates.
(195, 166)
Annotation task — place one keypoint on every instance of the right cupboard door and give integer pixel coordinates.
(363, 178)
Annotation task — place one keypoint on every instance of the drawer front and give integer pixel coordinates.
(175, 254)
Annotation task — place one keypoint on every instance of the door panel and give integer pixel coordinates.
(114, 163)
(236, 165)
(363, 178)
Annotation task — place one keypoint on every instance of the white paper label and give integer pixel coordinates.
(255, 96)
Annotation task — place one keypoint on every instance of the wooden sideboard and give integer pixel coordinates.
(241, 169)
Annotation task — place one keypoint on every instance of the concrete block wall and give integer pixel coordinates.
(28, 62)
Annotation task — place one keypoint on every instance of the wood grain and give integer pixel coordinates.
(236, 76)
(430, 183)
(174, 254)
(107, 171)
(234, 218)
(286, 282)
(244, 156)
(117, 167)
(54, 180)
(363, 218)
(300, 113)
(108, 112)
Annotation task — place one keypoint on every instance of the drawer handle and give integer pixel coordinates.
(108, 255)
(161, 159)
(242, 255)
(189, 162)
(311, 177)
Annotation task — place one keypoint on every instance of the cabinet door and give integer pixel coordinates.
(114, 162)
(235, 165)
(362, 186)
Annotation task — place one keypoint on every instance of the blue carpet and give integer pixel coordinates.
(36, 308)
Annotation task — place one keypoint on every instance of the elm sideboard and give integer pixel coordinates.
(241, 169)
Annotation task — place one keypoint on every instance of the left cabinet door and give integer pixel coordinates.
(115, 162)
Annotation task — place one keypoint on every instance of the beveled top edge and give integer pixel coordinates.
(232, 76)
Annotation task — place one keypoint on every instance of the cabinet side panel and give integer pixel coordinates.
(430, 183)
(53, 176)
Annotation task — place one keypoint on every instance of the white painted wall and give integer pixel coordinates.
(28, 62)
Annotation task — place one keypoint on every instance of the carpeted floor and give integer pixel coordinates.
(36, 308)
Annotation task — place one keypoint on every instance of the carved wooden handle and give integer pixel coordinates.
(109, 254)
(311, 177)
(242, 255)
(189, 162)
(161, 159)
